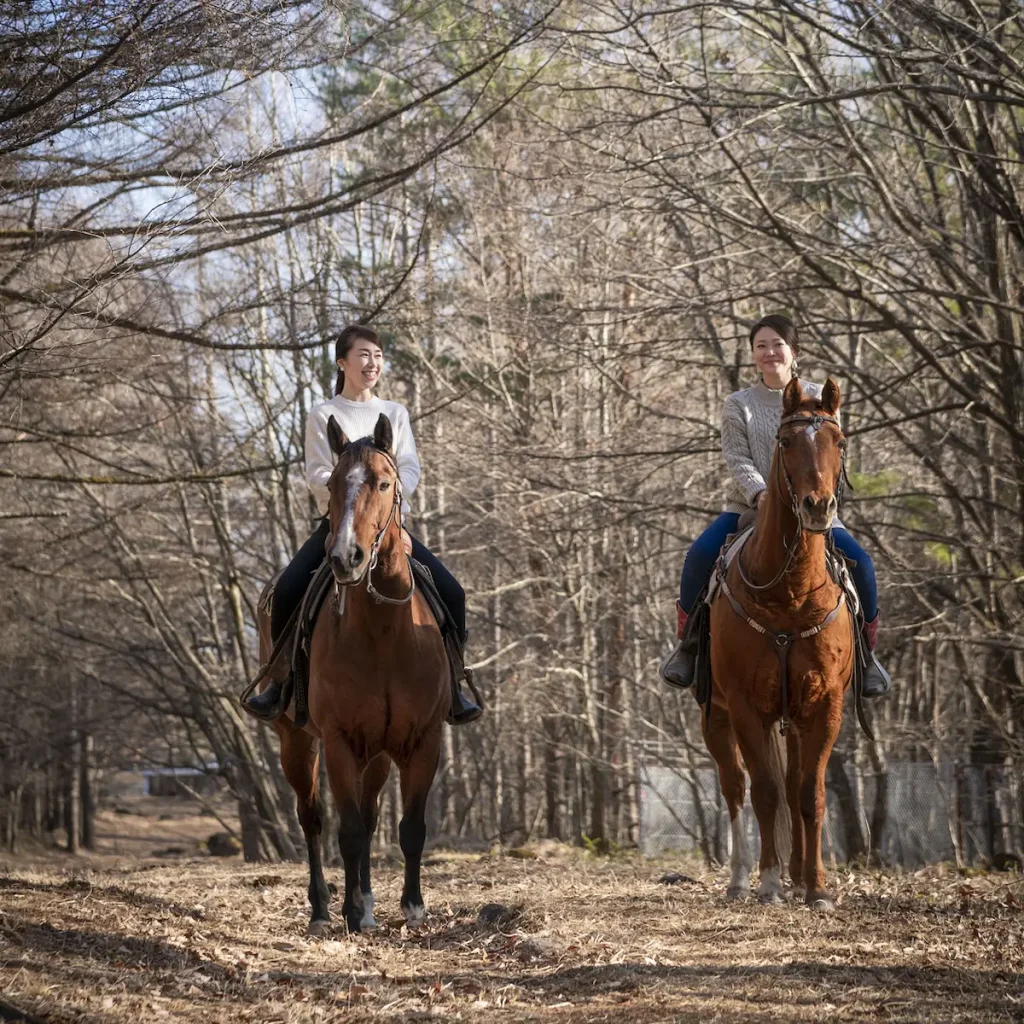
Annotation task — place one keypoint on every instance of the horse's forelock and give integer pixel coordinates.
(357, 452)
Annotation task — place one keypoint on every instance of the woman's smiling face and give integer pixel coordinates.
(363, 364)
(772, 355)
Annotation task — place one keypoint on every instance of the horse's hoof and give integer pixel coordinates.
(318, 927)
(821, 904)
(737, 892)
(414, 914)
(771, 898)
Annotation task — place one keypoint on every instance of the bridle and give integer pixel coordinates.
(395, 514)
(815, 422)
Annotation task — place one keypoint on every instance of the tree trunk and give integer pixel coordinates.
(73, 794)
(88, 792)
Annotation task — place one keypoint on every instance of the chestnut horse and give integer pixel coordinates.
(379, 688)
(782, 648)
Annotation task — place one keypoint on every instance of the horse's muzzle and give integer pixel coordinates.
(349, 567)
(818, 514)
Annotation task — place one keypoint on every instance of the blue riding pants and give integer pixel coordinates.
(700, 560)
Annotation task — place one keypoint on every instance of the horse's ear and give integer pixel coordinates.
(382, 434)
(830, 398)
(336, 437)
(792, 397)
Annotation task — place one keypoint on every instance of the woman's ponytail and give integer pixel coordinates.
(339, 383)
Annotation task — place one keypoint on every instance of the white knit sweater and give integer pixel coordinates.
(358, 419)
(750, 421)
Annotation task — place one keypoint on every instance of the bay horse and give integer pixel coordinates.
(782, 650)
(379, 689)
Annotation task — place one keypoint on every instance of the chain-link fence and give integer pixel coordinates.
(924, 813)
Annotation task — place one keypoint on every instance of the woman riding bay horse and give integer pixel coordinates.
(356, 410)
(750, 423)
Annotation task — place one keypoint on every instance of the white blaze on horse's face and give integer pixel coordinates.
(346, 556)
(814, 462)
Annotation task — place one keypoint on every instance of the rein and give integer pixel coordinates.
(341, 589)
(784, 640)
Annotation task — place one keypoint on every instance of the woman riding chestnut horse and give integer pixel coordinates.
(356, 409)
(783, 654)
(750, 421)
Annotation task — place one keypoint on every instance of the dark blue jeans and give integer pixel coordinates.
(291, 586)
(700, 560)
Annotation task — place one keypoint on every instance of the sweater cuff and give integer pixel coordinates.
(752, 486)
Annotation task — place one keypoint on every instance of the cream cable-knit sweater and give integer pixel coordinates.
(358, 419)
(750, 421)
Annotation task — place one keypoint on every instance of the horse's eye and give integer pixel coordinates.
(842, 444)
(784, 442)
(385, 484)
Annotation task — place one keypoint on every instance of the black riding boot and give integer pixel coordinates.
(464, 710)
(876, 680)
(678, 668)
(269, 704)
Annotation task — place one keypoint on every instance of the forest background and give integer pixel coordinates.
(564, 217)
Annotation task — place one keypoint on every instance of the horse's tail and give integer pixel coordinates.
(777, 764)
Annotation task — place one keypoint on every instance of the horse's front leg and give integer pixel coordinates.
(417, 776)
(345, 774)
(299, 759)
(815, 747)
(374, 777)
(796, 857)
(754, 740)
(721, 742)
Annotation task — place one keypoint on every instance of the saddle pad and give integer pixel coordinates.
(427, 587)
(730, 549)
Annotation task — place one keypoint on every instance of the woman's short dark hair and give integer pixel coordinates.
(782, 326)
(348, 337)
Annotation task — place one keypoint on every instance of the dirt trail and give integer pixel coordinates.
(589, 940)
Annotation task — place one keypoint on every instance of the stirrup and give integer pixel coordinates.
(464, 711)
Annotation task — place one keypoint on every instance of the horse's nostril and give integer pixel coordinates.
(819, 506)
(357, 557)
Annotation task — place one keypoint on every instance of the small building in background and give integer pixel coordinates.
(180, 781)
